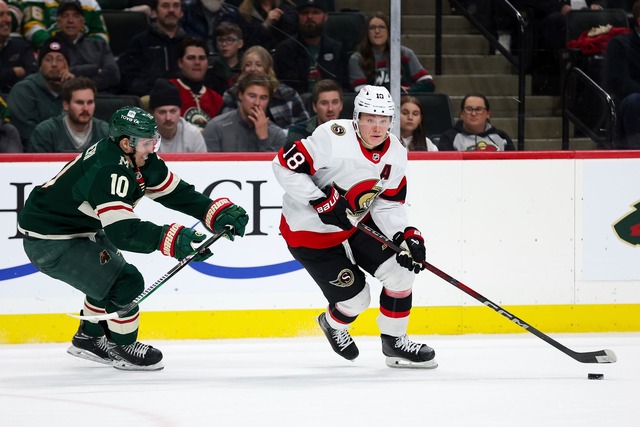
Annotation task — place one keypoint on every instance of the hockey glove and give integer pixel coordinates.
(177, 240)
(414, 251)
(223, 212)
(332, 209)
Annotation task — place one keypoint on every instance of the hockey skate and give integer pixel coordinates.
(90, 348)
(401, 352)
(340, 340)
(135, 357)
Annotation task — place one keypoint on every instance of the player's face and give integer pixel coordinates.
(5, 21)
(410, 118)
(373, 129)
(81, 107)
(328, 106)
(144, 147)
(194, 63)
(378, 33)
(71, 22)
(167, 117)
(168, 13)
(253, 98)
(52, 65)
(253, 64)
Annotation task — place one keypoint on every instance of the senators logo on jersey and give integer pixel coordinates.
(361, 195)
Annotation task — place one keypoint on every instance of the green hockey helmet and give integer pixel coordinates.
(134, 123)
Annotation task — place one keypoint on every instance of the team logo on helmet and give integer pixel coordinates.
(628, 227)
(337, 129)
(361, 195)
(104, 257)
(345, 279)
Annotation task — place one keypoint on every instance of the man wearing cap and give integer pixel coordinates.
(178, 135)
(87, 57)
(40, 19)
(76, 128)
(303, 61)
(38, 96)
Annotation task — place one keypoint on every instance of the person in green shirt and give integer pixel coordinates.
(76, 225)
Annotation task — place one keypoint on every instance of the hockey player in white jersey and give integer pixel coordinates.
(346, 171)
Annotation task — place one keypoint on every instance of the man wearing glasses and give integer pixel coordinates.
(474, 132)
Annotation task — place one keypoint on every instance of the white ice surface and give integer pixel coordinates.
(483, 380)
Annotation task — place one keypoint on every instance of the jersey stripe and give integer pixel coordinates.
(165, 187)
(113, 212)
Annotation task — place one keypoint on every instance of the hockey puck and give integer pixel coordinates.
(595, 376)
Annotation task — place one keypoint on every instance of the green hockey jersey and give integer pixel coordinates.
(99, 189)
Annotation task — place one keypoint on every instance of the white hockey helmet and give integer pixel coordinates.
(373, 100)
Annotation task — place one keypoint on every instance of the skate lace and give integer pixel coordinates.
(103, 344)
(136, 349)
(405, 344)
(342, 338)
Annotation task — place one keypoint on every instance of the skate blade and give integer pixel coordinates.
(399, 363)
(86, 355)
(126, 366)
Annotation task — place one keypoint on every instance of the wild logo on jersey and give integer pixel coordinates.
(628, 227)
(361, 195)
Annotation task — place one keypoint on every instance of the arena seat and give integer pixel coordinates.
(107, 104)
(122, 26)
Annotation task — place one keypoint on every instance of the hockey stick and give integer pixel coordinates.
(601, 356)
(203, 248)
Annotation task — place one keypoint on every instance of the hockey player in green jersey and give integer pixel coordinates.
(76, 224)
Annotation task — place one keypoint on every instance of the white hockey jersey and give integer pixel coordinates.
(372, 181)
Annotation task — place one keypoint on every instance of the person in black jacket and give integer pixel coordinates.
(16, 56)
(154, 52)
(312, 56)
(474, 132)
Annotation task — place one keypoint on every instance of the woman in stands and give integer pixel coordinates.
(412, 133)
(370, 63)
(285, 106)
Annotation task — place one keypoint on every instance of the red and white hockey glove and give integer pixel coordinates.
(223, 212)
(414, 251)
(177, 241)
(332, 209)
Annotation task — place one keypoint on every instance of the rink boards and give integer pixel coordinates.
(533, 232)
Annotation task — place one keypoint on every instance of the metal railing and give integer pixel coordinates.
(573, 75)
(517, 62)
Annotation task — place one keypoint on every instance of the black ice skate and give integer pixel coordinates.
(340, 340)
(135, 357)
(90, 348)
(401, 352)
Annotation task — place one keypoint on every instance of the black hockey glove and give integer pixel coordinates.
(332, 209)
(414, 251)
(176, 241)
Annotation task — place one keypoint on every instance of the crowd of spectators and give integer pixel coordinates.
(204, 49)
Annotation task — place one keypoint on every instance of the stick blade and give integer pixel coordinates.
(96, 318)
(602, 356)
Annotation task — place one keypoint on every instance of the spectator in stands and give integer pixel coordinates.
(285, 105)
(40, 20)
(202, 18)
(38, 96)
(15, 10)
(370, 63)
(267, 22)
(247, 128)
(178, 135)
(76, 128)
(622, 71)
(88, 57)
(412, 132)
(16, 56)
(9, 136)
(154, 52)
(302, 61)
(199, 103)
(326, 100)
(474, 132)
(224, 70)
